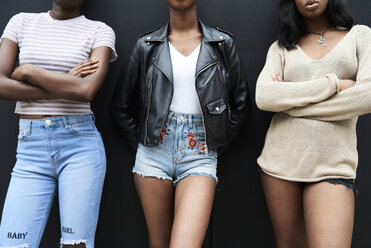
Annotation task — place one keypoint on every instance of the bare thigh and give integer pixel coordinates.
(157, 197)
(329, 215)
(193, 203)
(285, 205)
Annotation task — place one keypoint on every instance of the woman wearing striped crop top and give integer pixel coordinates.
(317, 77)
(64, 58)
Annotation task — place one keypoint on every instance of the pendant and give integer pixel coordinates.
(321, 40)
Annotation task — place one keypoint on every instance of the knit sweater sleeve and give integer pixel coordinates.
(281, 96)
(351, 102)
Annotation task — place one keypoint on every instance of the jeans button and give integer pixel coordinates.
(48, 122)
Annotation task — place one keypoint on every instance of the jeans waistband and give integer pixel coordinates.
(191, 119)
(65, 121)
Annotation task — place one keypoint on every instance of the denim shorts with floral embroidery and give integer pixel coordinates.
(181, 153)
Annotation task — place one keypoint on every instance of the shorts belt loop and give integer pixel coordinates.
(65, 122)
(29, 126)
(168, 119)
(190, 121)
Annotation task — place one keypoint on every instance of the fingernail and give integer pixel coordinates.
(94, 70)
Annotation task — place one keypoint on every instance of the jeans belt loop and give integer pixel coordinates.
(190, 120)
(29, 126)
(65, 122)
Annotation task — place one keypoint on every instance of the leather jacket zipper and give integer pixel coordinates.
(149, 105)
(199, 102)
(205, 68)
(211, 75)
(151, 90)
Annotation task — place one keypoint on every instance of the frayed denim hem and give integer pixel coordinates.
(196, 174)
(73, 242)
(348, 183)
(18, 246)
(153, 176)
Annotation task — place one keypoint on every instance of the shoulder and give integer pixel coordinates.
(21, 16)
(225, 32)
(216, 34)
(16, 22)
(362, 34)
(361, 28)
(148, 33)
(275, 48)
(99, 25)
(150, 36)
(228, 36)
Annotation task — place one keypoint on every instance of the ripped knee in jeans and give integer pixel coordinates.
(18, 246)
(73, 244)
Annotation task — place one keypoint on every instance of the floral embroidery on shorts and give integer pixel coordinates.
(190, 135)
(192, 143)
(200, 146)
(163, 133)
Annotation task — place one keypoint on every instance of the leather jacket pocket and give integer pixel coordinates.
(216, 107)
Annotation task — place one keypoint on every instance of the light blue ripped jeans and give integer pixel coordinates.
(57, 153)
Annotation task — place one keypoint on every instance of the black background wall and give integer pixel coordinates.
(240, 217)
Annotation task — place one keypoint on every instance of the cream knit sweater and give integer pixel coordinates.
(313, 134)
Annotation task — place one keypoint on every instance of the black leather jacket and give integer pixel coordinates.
(148, 81)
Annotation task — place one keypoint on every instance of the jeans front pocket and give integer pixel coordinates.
(83, 129)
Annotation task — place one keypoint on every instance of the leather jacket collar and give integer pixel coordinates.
(206, 57)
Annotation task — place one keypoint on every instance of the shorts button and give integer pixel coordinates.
(48, 122)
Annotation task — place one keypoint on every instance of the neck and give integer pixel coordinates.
(317, 25)
(183, 21)
(60, 13)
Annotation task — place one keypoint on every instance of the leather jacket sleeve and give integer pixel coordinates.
(124, 98)
(238, 94)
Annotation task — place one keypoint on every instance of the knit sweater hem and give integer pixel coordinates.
(306, 180)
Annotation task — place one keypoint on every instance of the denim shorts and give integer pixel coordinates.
(64, 154)
(181, 153)
(348, 183)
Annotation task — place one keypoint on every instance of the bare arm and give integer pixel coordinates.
(11, 89)
(68, 86)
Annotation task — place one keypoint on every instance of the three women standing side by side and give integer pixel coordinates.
(63, 60)
(192, 94)
(317, 78)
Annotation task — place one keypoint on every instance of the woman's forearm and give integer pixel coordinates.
(15, 90)
(61, 85)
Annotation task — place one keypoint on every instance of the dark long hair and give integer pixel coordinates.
(292, 26)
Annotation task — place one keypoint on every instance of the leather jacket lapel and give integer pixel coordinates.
(205, 58)
(162, 60)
